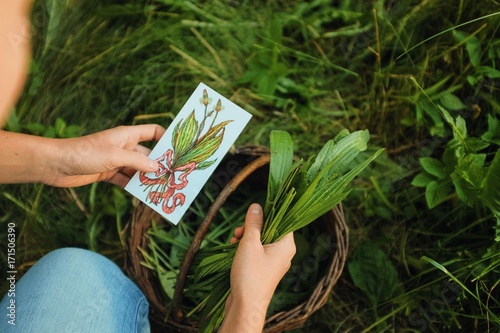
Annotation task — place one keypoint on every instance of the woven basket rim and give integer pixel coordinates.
(137, 238)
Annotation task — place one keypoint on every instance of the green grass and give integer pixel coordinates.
(311, 68)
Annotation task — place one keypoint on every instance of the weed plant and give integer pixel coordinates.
(421, 259)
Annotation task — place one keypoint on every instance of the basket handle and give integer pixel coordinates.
(203, 228)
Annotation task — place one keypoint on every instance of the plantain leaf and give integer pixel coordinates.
(216, 263)
(213, 313)
(167, 281)
(271, 232)
(316, 192)
(343, 150)
(342, 134)
(300, 181)
(327, 195)
(281, 161)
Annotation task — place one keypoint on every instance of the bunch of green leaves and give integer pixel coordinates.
(297, 194)
(168, 244)
(463, 167)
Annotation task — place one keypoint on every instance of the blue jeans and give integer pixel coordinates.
(75, 290)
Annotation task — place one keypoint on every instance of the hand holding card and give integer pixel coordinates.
(188, 153)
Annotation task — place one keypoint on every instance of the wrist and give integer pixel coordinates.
(41, 165)
(244, 314)
(51, 159)
(25, 158)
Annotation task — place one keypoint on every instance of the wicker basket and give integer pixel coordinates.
(255, 161)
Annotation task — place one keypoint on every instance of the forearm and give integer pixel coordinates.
(25, 158)
(255, 273)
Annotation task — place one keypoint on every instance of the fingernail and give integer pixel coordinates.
(153, 165)
(255, 210)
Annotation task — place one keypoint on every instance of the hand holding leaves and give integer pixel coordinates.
(298, 193)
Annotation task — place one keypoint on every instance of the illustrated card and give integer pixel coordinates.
(188, 152)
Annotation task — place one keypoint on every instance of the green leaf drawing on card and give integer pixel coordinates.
(201, 151)
(183, 139)
(175, 136)
(214, 131)
(205, 165)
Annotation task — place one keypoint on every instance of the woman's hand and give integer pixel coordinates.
(257, 269)
(112, 155)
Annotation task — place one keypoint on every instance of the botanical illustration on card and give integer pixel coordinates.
(188, 152)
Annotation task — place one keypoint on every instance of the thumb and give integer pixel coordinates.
(253, 221)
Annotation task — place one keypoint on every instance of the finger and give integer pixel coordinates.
(238, 232)
(147, 132)
(125, 158)
(253, 221)
(130, 172)
(143, 150)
